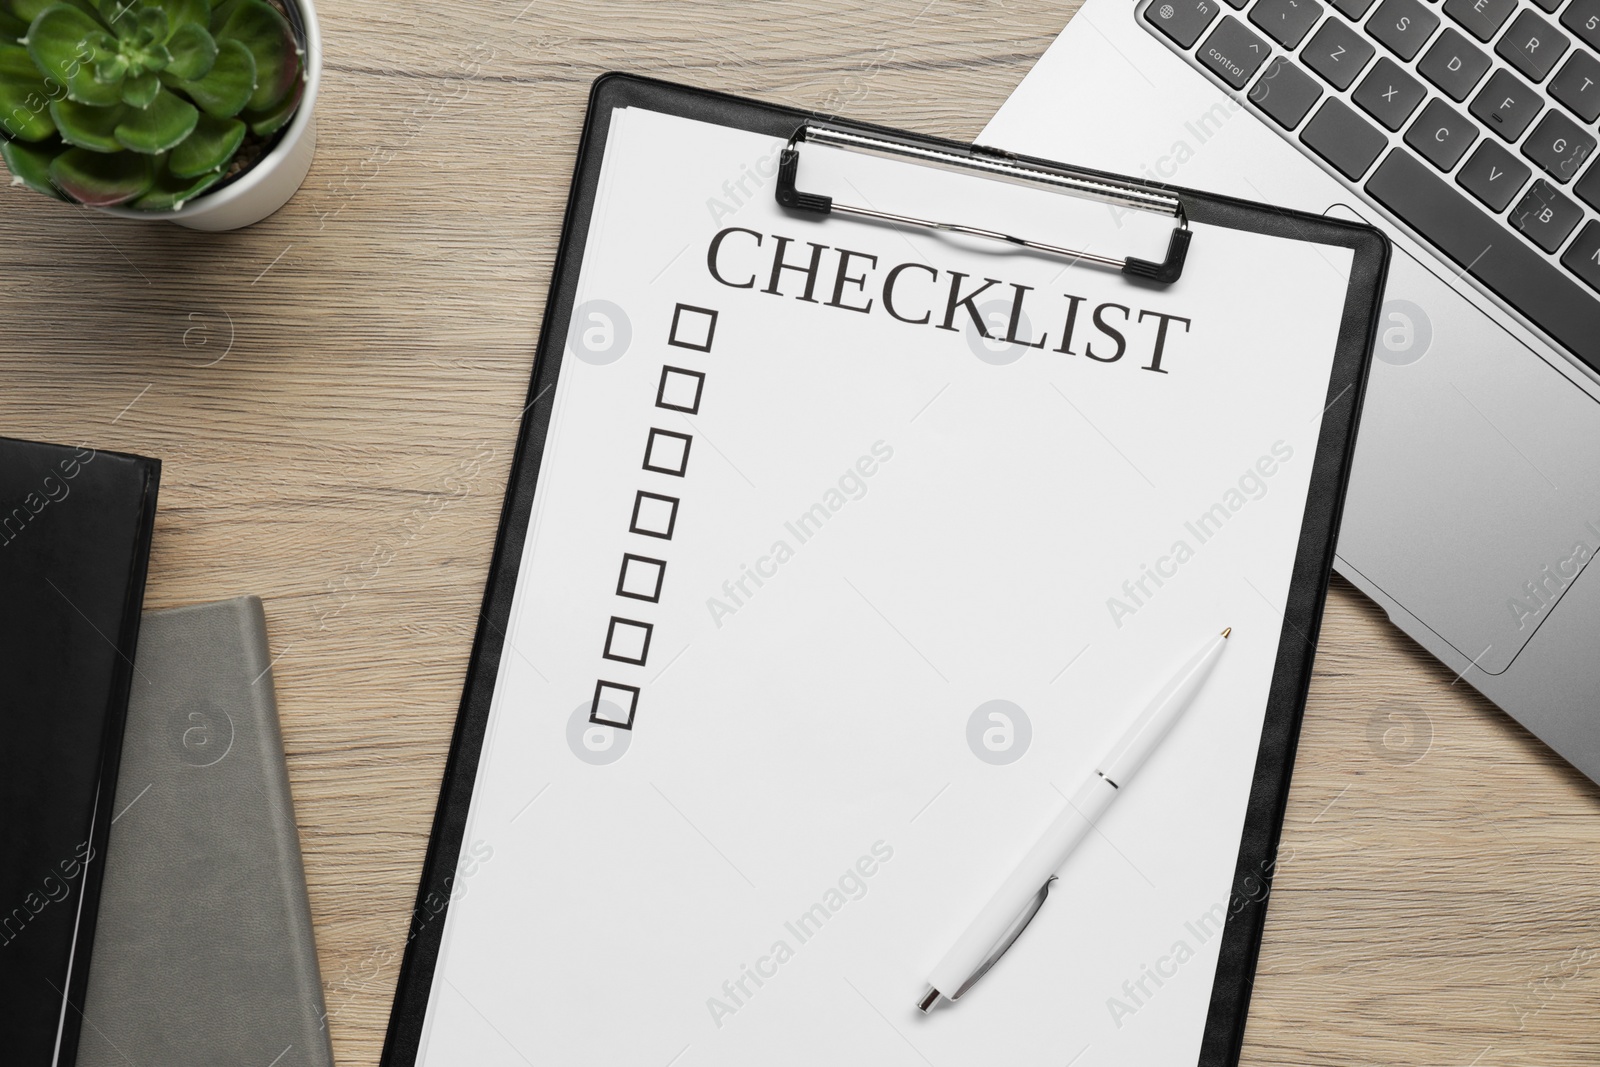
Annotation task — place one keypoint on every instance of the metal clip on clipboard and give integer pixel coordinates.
(995, 166)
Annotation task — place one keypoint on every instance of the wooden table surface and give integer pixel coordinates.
(335, 393)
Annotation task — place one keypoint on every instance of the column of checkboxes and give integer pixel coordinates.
(655, 515)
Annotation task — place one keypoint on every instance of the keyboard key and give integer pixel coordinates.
(1233, 53)
(1344, 138)
(1588, 187)
(1494, 175)
(1238, 5)
(1181, 20)
(1506, 105)
(1442, 134)
(1454, 64)
(1559, 146)
(1478, 242)
(1389, 94)
(1481, 18)
(1532, 45)
(1545, 216)
(1583, 258)
(1352, 9)
(1578, 85)
(1549, 6)
(1337, 53)
(1403, 26)
(1582, 17)
(1285, 92)
(1286, 21)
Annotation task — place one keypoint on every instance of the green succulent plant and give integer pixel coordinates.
(141, 103)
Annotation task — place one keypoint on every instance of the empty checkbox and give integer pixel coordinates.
(614, 705)
(628, 641)
(666, 452)
(693, 327)
(654, 515)
(680, 390)
(641, 577)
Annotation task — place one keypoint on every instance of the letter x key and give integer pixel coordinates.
(1389, 94)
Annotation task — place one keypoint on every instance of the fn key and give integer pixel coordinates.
(1233, 53)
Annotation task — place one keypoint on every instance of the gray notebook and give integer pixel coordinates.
(204, 953)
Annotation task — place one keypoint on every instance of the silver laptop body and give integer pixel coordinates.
(1465, 130)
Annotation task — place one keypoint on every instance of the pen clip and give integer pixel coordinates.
(1014, 931)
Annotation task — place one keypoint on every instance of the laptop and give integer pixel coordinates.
(1466, 130)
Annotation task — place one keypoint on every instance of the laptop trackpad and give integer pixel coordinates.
(1475, 496)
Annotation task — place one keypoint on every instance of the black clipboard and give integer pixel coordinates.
(1258, 850)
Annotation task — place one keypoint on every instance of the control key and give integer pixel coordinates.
(1233, 53)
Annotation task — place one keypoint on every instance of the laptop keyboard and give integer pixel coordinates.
(1473, 122)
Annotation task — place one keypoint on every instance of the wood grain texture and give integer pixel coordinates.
(336, 394)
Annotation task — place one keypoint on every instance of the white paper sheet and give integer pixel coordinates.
(804, 740)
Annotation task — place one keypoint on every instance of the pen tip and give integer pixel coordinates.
(1226, 632)
(929, 999)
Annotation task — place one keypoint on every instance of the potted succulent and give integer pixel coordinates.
(196, 111)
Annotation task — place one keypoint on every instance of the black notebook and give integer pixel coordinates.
(75, 528)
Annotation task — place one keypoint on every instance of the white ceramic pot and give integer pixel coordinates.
(268, 185)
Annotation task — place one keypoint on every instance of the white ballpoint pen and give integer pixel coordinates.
(1022, 893)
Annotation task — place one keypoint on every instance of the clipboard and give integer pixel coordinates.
(451, 872)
